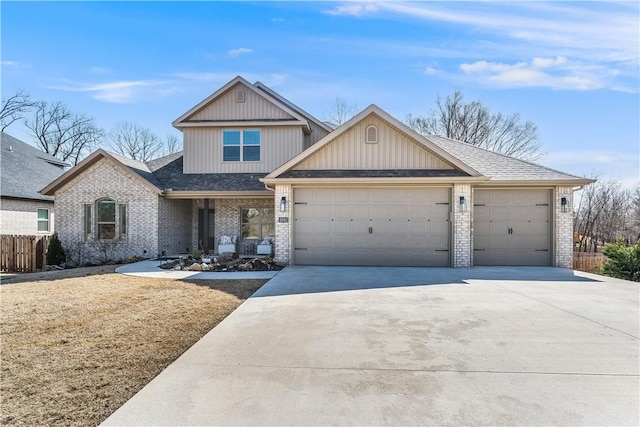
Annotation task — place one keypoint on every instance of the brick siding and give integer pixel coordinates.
(462, 232)
(227, 217)
(563, 230)
(104, 179)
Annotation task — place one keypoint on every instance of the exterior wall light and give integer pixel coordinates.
(283, 204)
(463, 204)
(563, 204)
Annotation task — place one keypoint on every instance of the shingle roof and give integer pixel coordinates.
(168, 172)
(498, 167)
(25, 170)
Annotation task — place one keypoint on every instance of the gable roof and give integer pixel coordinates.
(137, 169)
(373, 109)
(26, 169)
(293, 106)
(500, 167)
(184, 120)
(483, 165)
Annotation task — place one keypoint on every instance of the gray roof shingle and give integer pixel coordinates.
(168, 172)
(498, 167)
(25, 170)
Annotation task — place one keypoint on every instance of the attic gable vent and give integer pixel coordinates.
(240, 95)
(372, 134)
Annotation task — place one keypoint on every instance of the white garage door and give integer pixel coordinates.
(371, 226)
(512, 227)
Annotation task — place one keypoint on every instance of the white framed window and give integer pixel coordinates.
(241, 145)
(105, 219)
(43, 220)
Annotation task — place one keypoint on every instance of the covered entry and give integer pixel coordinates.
(512, 227)
(388, 226)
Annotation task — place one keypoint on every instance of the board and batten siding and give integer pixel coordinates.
(203, 150)
(394, 150)
(317, 133)
(254, 107)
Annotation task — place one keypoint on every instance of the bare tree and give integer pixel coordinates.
(135, 141)
(14, 108)
(604, 214)
(172, 144)
(340, 112)
(63, 134)
(473, 123)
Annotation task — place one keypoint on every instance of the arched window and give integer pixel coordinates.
(105, 219)
(371, 134)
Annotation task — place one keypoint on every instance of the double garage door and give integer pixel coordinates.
(372, 226)
(512, 227)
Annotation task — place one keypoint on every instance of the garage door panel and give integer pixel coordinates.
(373, 226)
(513, 228)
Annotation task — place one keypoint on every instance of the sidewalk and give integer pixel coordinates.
(152, 268)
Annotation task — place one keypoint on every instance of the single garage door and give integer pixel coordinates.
(371, 226)
(512, 227)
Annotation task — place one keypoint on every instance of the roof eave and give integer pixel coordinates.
(539, 182)
(171, 194)
(448, 180)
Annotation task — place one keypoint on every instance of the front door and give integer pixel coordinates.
(210, 240)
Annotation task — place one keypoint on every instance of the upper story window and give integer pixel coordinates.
(241, 145)
(43, 220)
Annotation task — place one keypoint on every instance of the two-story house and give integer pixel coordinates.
(371, 192)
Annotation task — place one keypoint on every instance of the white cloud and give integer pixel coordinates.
(603, 35)
(353, 9)
(13, 64)
(239, 51)
(117, 92)
(555, 73)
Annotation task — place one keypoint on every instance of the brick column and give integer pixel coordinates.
(284, 224)
(462, 240)
(563, 229)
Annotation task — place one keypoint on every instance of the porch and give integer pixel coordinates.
(217, 225)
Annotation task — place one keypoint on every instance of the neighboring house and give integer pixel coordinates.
(371, 192)
(24, 171)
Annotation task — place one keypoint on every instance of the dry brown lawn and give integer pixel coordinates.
(77, 344)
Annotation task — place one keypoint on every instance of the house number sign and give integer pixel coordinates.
(283, 219)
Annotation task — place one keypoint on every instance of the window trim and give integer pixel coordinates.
(123, 221)
(87, 212)
(242, 145)
(47, 221)
(262, 236)
(115, 219)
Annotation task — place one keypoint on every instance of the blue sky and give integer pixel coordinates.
(570, 67)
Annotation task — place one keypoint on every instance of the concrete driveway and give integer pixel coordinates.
(410, 346)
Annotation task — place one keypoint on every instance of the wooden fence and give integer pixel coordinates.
(588, 261)
(22, 254)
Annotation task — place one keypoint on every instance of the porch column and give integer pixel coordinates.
(205, 231)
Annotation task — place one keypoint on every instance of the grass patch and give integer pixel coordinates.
(74, 349)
